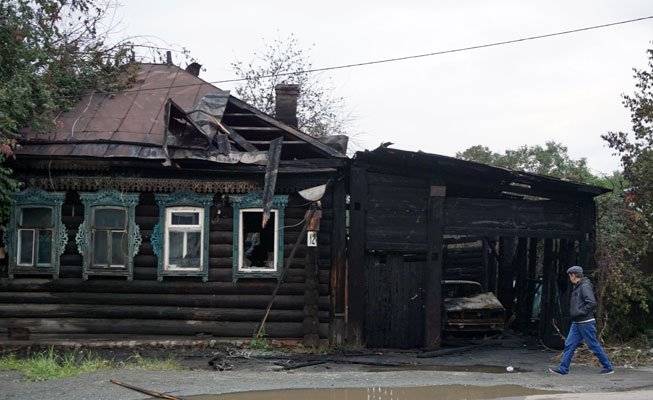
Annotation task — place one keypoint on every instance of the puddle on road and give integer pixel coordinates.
(440, 392)
(487, 369)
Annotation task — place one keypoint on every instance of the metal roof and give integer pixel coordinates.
(132, 123)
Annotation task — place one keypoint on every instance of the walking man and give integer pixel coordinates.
(583, 325)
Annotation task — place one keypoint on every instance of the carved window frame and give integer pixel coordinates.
(180, 201)
(254, 202)
(101, 200)
(31, 198)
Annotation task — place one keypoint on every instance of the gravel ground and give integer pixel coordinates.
(263, 375)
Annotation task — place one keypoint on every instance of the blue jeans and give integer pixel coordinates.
(577, 334)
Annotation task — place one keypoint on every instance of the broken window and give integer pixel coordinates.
(258, 250)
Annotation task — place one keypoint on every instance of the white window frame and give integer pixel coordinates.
(35, 240)
(182, 228)
(241, 241)
(109, 237)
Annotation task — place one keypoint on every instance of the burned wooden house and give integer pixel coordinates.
(141, 215)
(419, 219)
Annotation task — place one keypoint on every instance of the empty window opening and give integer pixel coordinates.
(258, 246)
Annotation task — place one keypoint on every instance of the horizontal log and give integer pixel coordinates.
(217, 273)
(169, 286)
(283, 302)
(155, 327)
(149, 312)
(516, 232)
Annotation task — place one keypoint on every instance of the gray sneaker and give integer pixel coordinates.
(606, 371)
(557, 371)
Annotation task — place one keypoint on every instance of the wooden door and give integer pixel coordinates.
(394, 302)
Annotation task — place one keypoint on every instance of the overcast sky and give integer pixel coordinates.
(565, 89)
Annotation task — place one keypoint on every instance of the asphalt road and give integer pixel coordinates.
(582, 383)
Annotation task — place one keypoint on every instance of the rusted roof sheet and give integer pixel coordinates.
(131, 123)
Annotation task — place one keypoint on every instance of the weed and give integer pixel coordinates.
(153, 363)
(50, 365)
(259, 342)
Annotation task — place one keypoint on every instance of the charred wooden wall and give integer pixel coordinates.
(175, 306)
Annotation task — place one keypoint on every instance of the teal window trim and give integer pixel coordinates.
(254, 202)
(108, 199)
(31, 198)
(167, 203)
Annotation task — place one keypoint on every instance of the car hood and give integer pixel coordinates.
(477, 302)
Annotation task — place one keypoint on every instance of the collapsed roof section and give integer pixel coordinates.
(170, 114)
(464, 178)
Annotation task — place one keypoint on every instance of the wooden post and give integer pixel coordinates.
(311, 322)
(506, 293)
(547, 286)
(588, 232)
(356, 266)
(338, 285)
(492, 264)
(433, 270)
(485, 279)
(520, 266)
(531, 275)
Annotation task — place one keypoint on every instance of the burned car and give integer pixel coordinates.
(468, 309)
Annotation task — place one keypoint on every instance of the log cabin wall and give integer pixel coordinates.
(105, 306)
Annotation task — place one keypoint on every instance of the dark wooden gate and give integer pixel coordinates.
(395, 302)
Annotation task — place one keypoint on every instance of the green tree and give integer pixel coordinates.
(635, 149)
(319, 111)
(51, 52)
(551, 159)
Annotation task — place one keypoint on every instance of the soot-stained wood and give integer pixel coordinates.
(394, 288)
(356, 266)
(433, 269)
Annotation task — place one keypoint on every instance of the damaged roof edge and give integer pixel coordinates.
(328, 150)
(514, 174)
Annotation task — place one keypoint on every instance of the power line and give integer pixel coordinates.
(457, 50)
(410, 57)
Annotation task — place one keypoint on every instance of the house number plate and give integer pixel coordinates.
(311, 239)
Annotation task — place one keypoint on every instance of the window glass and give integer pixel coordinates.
(175, 247)
(118, 248)
(110, 218)
(258, 244)
(193, 246)
(44, 253)
(185, 218)
(39, 217)
(100, 243)
(25, 246)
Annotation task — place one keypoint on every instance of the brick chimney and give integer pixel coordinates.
(285, 103)
(194, 68)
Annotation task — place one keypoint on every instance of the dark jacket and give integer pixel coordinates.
(583, 302)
